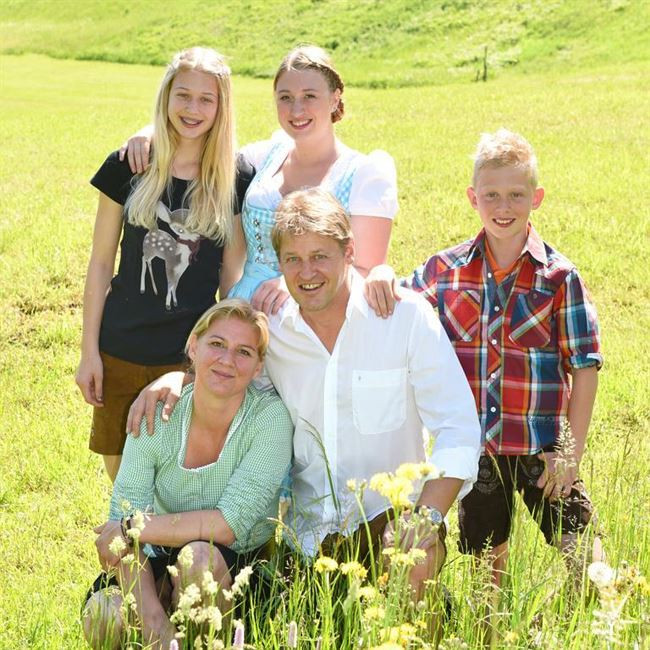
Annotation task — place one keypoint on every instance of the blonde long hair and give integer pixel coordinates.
(211, 195)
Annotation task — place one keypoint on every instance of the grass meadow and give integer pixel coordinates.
(590, 128)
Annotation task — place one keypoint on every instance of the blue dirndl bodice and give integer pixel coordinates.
(257, 222)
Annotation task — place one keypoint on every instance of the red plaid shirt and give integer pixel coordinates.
(516, 341)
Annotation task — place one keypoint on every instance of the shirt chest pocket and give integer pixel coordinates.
(378, 400)
(461, 314)
(530, 323)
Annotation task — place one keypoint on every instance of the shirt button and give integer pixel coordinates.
(497, 308)
(489, 275)
(493, 409)
(493, 341)
(493, 375)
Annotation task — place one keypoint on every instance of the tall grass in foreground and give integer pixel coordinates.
(61, 118)
(347, 601)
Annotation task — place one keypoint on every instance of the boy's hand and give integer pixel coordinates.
(559, 475)
(381, 290)
(167, 388)
(270, 295)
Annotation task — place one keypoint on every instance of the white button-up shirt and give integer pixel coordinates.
(368, 407)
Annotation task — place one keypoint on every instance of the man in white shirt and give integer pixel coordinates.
(360, 389)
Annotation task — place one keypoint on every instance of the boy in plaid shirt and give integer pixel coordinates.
(525, 331)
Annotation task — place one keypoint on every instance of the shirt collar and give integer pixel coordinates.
(357, 300)
(534, 246)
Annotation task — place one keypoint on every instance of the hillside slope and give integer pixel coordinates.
(376, 42)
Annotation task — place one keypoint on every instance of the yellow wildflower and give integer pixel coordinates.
(214, 617)
(396, 489)
(190, 596)
(137, 520)
(401, 634)
(402, 559)
(374, 613)
(354, 569)
(186, 557)
(209, 585)
(418, 554)
(409, 471)
(117, 545)
(129, 601)
(387, 646)
(367, 592)
(510, 637)
(243, 577)
(325, 564)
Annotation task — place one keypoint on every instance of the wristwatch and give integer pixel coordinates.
(433, 515)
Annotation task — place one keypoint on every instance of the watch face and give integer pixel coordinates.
(435, 516)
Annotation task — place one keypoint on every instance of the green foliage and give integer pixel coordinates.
(376, 43)
(60, 119)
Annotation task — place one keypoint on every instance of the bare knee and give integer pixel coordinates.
(205, 557)
(102, 621)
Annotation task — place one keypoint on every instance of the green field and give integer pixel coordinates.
(377, 43)
(59, 119)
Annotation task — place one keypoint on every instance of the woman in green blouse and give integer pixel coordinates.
(209, 478)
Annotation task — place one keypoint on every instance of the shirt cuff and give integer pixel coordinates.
(586, 360)
(459, 462)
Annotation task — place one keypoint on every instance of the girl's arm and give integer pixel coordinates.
(106, 236)
(371, 239)
(373, 205)
(234, 255)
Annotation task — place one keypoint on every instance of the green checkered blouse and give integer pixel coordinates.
(243, 483)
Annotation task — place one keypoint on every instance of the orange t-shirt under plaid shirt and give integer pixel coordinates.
(517, 340)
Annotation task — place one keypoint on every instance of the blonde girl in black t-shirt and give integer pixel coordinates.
(173, 220)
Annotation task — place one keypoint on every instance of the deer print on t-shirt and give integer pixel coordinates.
(177, 253)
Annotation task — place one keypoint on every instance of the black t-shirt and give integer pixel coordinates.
(166, 278)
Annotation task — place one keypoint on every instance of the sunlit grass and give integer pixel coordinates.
(60, 119)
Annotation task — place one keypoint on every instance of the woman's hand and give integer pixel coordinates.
(137, 149)
(90, 379)
(270, 295)
(106, 533)
(381, 290)
(167, 388)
